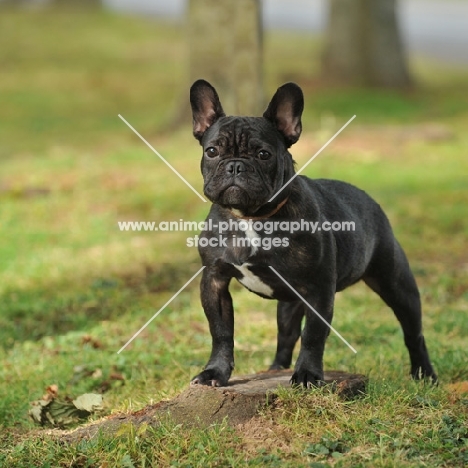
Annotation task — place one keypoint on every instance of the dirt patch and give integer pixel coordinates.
(271, 436)
(369, 143)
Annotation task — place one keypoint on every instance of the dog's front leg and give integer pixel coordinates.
(308, 371)
(217, 304)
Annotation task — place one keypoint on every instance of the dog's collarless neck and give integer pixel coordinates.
(238, 215)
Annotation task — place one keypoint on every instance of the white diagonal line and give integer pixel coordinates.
(313, 310)
(312, 158)
(160, 310)
(163, 160)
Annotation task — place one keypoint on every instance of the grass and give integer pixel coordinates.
(74, 288)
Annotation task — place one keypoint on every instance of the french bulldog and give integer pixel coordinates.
(247, 171)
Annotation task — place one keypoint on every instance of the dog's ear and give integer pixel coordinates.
(285, 110)
(206, 108)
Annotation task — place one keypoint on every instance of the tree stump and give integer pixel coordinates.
(238, 402)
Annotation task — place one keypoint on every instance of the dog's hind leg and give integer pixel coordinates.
(389, 275)
(289, 318)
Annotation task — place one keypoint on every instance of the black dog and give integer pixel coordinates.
(245, 163)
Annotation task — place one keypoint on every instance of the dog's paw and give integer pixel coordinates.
(306, 379)
(211, 378)
(427, 375)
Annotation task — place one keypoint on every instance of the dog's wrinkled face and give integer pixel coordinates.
(240, 162)
(245, 159)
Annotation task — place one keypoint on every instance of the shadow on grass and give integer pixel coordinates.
(34, 313)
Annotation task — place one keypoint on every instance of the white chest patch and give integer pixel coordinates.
(252, 282)
(255, 241)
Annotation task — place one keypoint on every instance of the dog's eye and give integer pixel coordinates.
(211, 152)
(262, 154)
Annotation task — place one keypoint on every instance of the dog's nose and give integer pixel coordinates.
(235, 167)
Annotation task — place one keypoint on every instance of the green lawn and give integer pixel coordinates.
(74, 288)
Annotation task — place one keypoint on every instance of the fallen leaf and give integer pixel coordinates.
(116, 376)
(63, 412)
(51, 392)
(458, 387)
(90, 402)
(94, 342)
(97, 374)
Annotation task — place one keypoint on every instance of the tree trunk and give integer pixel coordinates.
(225, 42)
(363, 44)
(202, 406)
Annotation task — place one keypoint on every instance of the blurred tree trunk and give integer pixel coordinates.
(363, 44)
(225, 42)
